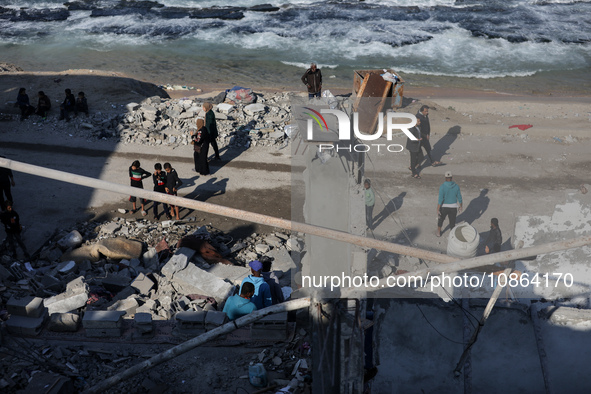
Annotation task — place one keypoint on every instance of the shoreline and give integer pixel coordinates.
(420, 85)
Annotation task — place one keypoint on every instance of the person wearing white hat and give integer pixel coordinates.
(449, 202)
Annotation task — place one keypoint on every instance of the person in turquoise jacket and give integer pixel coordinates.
(449, 203)
(370, 202)
(239, 305)
(262, 292)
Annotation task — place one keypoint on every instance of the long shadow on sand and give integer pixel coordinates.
(442, 146)
(476, 208)
(204, 191)
(391, 206)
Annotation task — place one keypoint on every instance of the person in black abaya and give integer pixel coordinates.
(200, 140)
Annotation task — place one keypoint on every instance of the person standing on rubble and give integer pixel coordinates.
(212, 128)
(240, 305)
(312, 78)
(262, 292)
(136, 175)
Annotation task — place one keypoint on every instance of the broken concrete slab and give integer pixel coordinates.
(74, 297)
(128, 305)
(566, 316)
(252, 109)
(110, 228)
(142, 284)
(115, 283)
(26, 306)
(190, 322)
(177, 262)
(282, 261)
(194, 280)
(262, 248)
(233, 273)
(66, 267)
(64, 322)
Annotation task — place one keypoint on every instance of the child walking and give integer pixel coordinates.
(172, 184)
(159, 178)
(136, 175)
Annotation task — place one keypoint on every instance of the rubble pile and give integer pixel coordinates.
(99, 277)
(169, 122)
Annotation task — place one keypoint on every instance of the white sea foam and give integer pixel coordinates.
(305, 65)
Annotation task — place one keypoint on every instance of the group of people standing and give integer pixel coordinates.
(166, 181)
(70, 104)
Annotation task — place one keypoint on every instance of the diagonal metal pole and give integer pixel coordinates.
(197, 341)
(487, 311)
(225, 211)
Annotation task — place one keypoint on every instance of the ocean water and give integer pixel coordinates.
(524, 44)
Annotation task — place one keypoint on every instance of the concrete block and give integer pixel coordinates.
(123, 294)
(115, 283)
(74, 297)
(262, 248)
(142, 284)
(214, 319)
(25, 325)
(128, 305)
(194, 280)
(233, 273)
(102, 319)
(224, 108)
(190, 322)
(64, 322)
(103, 332)
(178, 262)
(272, 327)
(252, 109)
(50, 282)
(28, 306)
(282, 261)
(143, 322)
(132, 107)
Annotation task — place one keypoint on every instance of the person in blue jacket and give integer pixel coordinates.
(240, 305)
(449, 202)
(262, 292)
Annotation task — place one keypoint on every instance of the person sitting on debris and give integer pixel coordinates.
(81, 104)
(43, 105)
(272, 280)
(240, 305)
(69, 105)
(136, 175)
(159, 178)
(173, 182)
(22, 101)
(495, 238)
(262, 292)
(13, 228)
